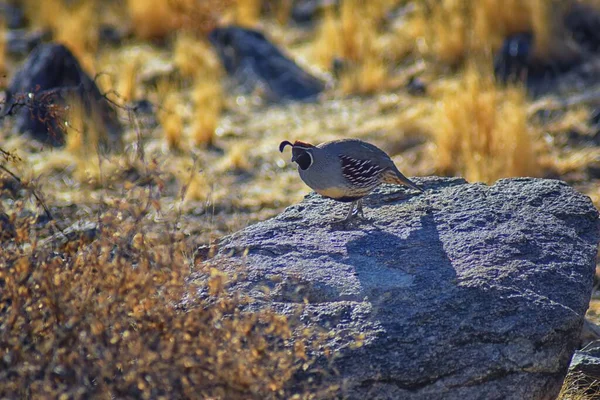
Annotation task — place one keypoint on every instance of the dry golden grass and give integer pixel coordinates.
(247, 12)
(237, 158)
(82, 141)
(450, 30)
(207, 96)
(371, 76)
(201, 16)
(193, 55)
(170, 117)
(577, 386)
(127, 80)
(3, 66)
(351, 33)
(195, 59)
(482, 131)
(152, 19)
(74, 24)
(328, 41)
(578, 157)
(281, 10)
(198, 188)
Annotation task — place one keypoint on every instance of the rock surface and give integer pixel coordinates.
(466, 291)
(587, 361)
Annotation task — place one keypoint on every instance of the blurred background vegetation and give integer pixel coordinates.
(415, 77)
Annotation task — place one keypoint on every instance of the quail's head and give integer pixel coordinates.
(301, 153)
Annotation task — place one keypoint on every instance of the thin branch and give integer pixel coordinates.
(15, 177)
(33, 192)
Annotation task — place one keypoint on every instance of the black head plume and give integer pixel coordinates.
(283, 144)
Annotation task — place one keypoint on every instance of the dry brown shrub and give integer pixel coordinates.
(100, 316)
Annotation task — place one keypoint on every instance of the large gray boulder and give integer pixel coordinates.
(466, 291)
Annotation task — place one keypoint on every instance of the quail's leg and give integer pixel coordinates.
(359, 209)
(350, 213)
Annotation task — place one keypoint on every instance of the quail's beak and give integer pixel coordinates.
(293, 158)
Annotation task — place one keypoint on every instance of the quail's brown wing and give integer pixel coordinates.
(360, 173)
(359, 150)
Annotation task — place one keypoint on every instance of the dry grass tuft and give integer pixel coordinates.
(481, 131)
(170, 116)
(237, 158)
(208, 104)
(281, 9)
(195, 59)
(74, 24)
(247, 12)
(328, 41)
(3, 66)
(155, 19)
(352, 34)
(578, 386)
(152, 19)
(198, 188)
(127, 79)
(83, 138)
(194, 56)
(200, 16)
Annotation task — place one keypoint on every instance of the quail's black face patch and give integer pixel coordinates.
(302, 158)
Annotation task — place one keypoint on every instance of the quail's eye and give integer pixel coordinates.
(304, 160)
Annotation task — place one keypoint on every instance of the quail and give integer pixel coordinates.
(345, 170)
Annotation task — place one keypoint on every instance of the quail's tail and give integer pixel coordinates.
(397, 178)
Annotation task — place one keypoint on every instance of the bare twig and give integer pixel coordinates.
(33, 191)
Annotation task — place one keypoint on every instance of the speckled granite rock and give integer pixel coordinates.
(466, 291)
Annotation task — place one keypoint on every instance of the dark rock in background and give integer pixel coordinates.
(466, 291)
(416, 86)
(512, 61)
(49, 76)
(13, 15)
(20, 42)
(306, 11)
(109, 34)
(572, 65)
(583, 22)
(145, 112)
(254, 61)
